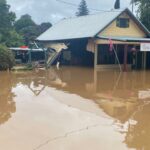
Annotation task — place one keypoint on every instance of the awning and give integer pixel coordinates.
(26, 49)
(124, 39)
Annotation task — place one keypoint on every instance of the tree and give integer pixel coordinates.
(117, 4)
(23, 22)
(29, 29)
(44, 26)
(6, 58)
(143, 11)
(82, 9)
(7, 19)
(14, 39)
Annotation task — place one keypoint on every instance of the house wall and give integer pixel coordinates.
(132, 31)
(112, 30)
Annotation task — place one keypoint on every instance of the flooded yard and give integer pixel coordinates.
(74, 109)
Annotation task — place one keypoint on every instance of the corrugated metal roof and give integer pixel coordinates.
(85, 26)
(79, 27)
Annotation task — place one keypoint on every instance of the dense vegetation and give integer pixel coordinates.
(7, 31)
(28, 29)
(6, 58)
(143, 11)
(14, 33)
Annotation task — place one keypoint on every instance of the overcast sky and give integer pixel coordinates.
(52, 10)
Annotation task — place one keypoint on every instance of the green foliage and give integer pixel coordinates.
(23, 22)
(6, 58)
(26, 27)
(143, 11)
(29, 33)
(117, 4)
(29, 29)
(83, 9)
(7, 18)
(16, 33)
(12, 39)
(15, 39)
(7, 32)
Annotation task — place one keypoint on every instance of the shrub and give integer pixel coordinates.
(7, 59)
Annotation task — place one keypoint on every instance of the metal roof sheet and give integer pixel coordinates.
(79, 27)
(85, 26)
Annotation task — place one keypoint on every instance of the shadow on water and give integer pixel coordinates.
(123, 96)
(7, 104)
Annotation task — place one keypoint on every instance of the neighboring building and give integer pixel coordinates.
(103, 40)
(22, 54)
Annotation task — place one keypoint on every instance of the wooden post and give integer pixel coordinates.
(95, 56)
(95, 80)
(125, 58)
(144, 61)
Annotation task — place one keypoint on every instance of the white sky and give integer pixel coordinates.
(52, 10)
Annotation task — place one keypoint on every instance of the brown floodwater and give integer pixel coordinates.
(74, 108)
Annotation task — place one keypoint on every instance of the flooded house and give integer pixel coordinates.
(106, 40)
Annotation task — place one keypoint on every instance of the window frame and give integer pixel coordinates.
(120, 24)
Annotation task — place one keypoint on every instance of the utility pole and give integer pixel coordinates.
(132, 6)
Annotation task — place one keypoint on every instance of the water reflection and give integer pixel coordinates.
(138, 135)
(7, 104)
(118, 94)
(35, 81)
(123, 96)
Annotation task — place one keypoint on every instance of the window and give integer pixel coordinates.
(122, 22)
(105, 56)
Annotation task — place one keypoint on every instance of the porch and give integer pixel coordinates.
(125, 54)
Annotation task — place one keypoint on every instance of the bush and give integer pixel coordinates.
(7, 59)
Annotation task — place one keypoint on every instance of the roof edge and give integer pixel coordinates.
(142, 26)
(110, 22)
(60, 40)
(131, 15)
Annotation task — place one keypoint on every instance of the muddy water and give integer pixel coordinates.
(74, 109)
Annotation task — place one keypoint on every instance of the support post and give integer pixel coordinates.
(144, 60)
(45, 53)
(95, 80)
(125, 58)
(30, 55)
(95, 56)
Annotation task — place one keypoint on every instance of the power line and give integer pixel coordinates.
(75, 5)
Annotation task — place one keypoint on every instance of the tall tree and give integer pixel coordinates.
(7, 19)
(82, 9)
(117, 4)
(143, 11)
(24, 21)
(29, 29)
